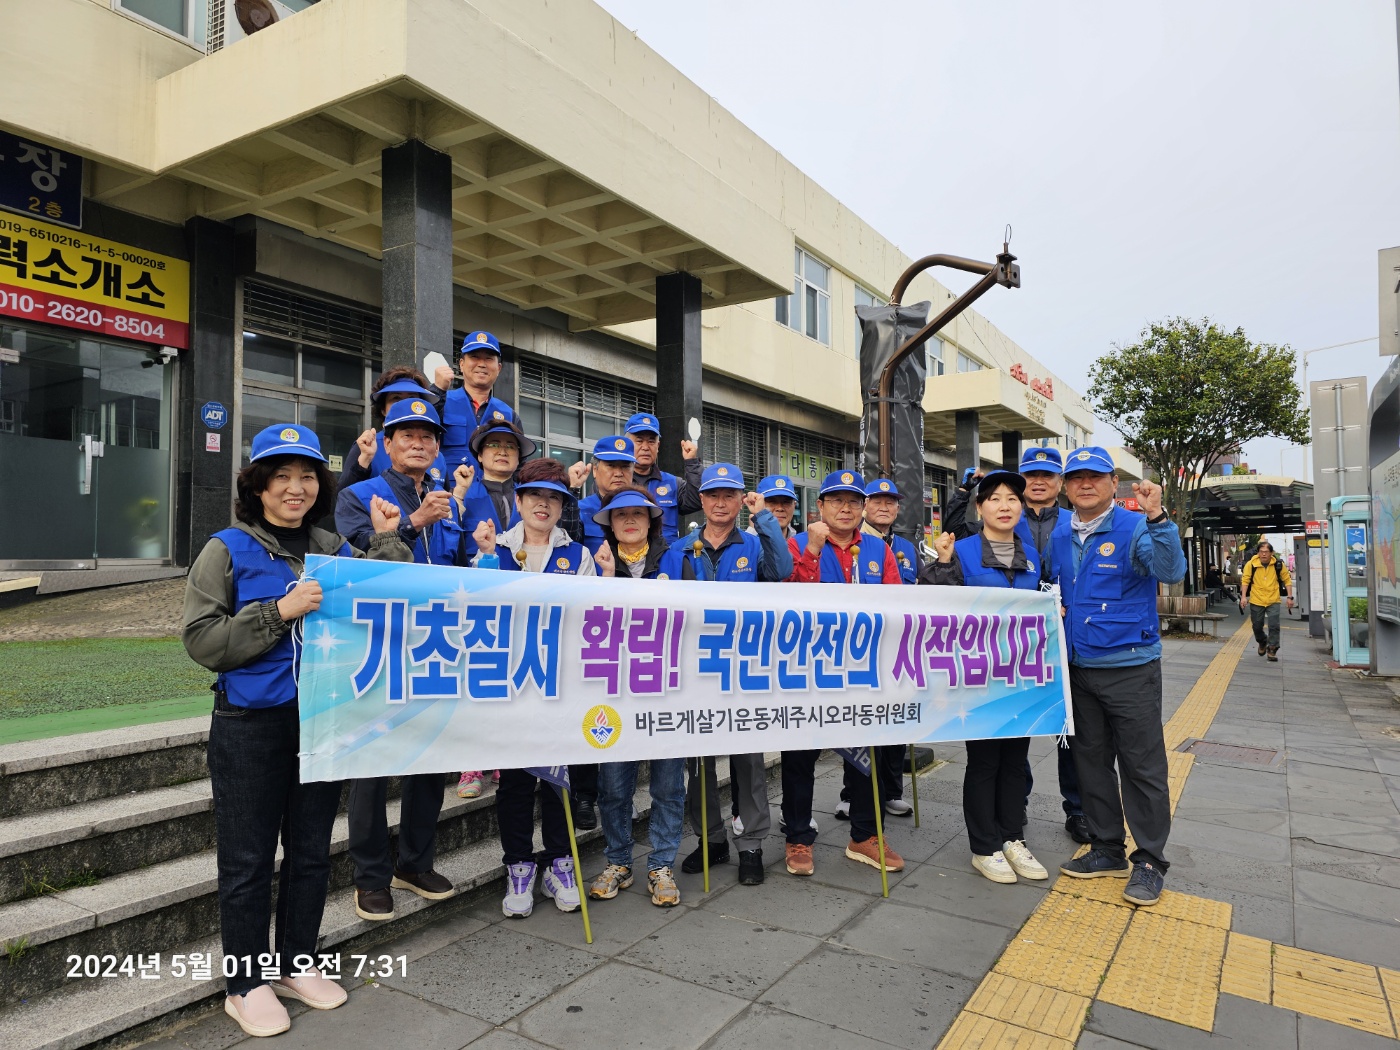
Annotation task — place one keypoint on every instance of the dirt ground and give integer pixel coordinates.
(134, 610)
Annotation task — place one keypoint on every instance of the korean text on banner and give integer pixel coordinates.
(422, 668)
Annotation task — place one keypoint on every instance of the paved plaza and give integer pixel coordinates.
(1281, 927)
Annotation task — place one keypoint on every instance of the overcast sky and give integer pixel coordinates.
(1236, 160)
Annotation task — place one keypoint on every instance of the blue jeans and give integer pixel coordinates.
(617, 781)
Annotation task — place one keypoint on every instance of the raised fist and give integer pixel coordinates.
(754, 502)
(1149, 497)
(384, 514)
(436, 505)
(689, 450)
(485, 536)
(607, 565)
(443, 376)
(462, 477)
(817, 535)
(943, 545)
(577, 473)
(368, 443)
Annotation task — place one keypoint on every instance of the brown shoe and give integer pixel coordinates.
(799, 859)
(868, 852)
(427, 884)
(374, 905)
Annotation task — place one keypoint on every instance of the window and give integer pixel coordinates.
(968, 364)
(933, 356)
(184, 18)
(808, 308)
(565, 412)
(864, 297)
(807, 459)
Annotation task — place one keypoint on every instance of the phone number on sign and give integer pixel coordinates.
(84, 316)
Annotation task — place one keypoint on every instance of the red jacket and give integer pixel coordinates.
(806, 567)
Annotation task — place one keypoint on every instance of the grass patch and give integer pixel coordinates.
(79, 674)
(41, 883)
(14, 950)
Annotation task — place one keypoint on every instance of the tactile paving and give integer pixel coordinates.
(975, 1032)
(1026, 1005)
(1167, 968)
(1075, 925)
(1390, 981)
(1328, 970)
(1176, 905)
(1248, 968)
(1052, 967)
(1330, 1003)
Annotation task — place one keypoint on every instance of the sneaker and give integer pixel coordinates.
(897, 807)
(1023, 861)
(559, 882)
(1078, 827)
(1145, 886)
(664, 891)
(374, 905)
(312, 989)
(994, 867)
(585, 815)
(738, 823)
(520, 890)
(259, 1013)
(1263, 649)
(613, 878)
(782, 825)
(695, 862)
(843, 810)
(750, 867)
(470, 785)
(799, 859)
(868, 852)
(1273, 656)
(1096, 864)
(427, 884)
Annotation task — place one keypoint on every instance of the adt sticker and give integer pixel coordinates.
(214, 415)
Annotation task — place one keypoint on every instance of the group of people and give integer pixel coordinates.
(448, 479)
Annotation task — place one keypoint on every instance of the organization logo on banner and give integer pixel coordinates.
(602, 726)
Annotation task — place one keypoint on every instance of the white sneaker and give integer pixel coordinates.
(1023, 861)
(994, 867)
(738, 826)
(559, 882)
(843, 811)
(897, 807)
(782, 826)
(520, 890)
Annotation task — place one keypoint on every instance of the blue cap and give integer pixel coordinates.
(412, 410)
(625, 498)
(1042, 459)
(643, 423)
(721, 476)
(481, 341)
(1090, 457)
(615, 449)
(286, 439)
(552, 486)
(776, 486)
(406, 386)
(843, 481)
(882, 487)
(480, 434)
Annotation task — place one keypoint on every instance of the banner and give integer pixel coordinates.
(421, 668)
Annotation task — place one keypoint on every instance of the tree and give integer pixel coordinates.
(1190, 393)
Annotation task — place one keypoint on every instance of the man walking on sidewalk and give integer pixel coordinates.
(1264, 581)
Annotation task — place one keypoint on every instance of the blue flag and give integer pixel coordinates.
(858, 758)
(556, 775)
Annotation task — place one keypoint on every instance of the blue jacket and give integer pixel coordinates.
(260, 576)
(562, 561)
(352, 472)
(872, 559)
(976, 574)
(906, 555)
(742, 557)
(593, 534)
(1108, 586)
(459, 419)
(437, 544)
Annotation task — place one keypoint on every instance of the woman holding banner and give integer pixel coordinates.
(243, 607)
(994, 783)
(535, 543)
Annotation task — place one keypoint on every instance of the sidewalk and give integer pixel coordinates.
(1283, 902)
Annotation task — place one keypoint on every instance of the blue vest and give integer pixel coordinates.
(260, 576)
(562, 561)
(479, 507)
(438, 544)
(975, 574)
(1109, 607)
(593, 535)
(1023, 530)
(666, 491)
(381, 462)
(906, 555)
(459, 419)
(872, 559)
(738, 562)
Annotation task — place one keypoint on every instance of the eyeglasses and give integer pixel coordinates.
(500, 446)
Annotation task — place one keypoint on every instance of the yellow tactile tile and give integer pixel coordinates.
(1175, 905)
(1167, 968)
(1327, 969)
(1248, 968)
(1390, 981)
(1184, 1002)
(1075, 925)
(1026, 1005)
(1331, 1003)
(975, 1032)
(1052, 967)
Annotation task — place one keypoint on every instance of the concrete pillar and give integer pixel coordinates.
(204, 483)
(679, 397)
(1011, 449)
(417, 250)
(968, 441)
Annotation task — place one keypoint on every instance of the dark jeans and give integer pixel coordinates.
(1264, 620)
(257, 798)
(1118, 719)
(799, 772)
(857, 789)
(515, 812)
(994, 800)
(583, 783)
(890, 760)
(419, 806)
(1069, 780)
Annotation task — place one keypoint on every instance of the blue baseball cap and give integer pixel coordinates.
(413, 410)
(286, 439)
(882, 487)
(777, 486)
(623, 499)
(843, 481)
(406, 386)
(551, 486)
(1042, 459)
(722, 476)
(642, 423)
(615, 449)
(481, 341)
(1090, 457)
(502, 426)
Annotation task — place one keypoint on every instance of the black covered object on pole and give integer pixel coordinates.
(884, 329)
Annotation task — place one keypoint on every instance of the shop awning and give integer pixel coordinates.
(1244, 503)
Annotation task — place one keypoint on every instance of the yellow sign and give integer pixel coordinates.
(602, 726)
(69, 278)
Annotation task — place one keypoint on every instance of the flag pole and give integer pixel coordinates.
(704, 824)
(914, 783)
(578, 872)
(879, 824)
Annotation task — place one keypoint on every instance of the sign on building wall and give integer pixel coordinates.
(805, 468)
(41, 182)
(73, 279)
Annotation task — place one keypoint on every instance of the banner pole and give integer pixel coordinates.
(879, 824)
(704, 824)
(914, 783)
(578, 872)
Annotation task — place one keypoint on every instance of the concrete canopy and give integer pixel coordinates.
(1245, 503)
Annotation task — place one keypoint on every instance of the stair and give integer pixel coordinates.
(122, 864)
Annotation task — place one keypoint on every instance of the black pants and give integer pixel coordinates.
(419, 806)
(1069, 780)
(994, 792)
(799, 772)
(257, 798)
(515, 812)
(583, 781)
(1118, 719)
(890, 760)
